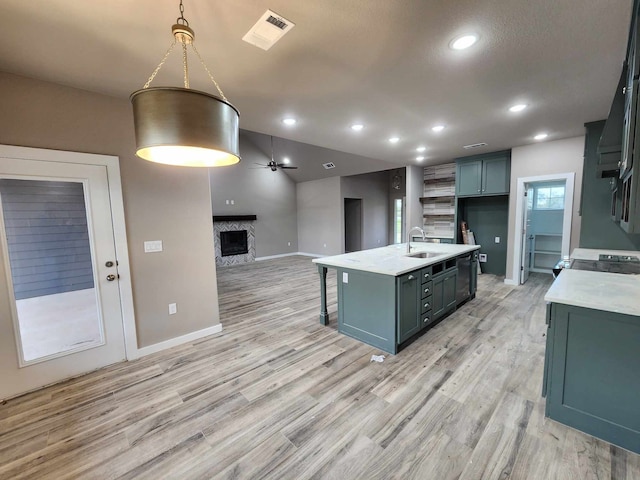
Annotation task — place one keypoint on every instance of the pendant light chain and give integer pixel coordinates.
(185, 66)
(209, 73)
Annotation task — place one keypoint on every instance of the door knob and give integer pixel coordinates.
(111, 278)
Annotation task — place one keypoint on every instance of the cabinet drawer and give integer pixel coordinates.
(426, 274)
(426, 319)
(426, 304)
(426, 289)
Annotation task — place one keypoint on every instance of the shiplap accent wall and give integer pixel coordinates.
(46, 226)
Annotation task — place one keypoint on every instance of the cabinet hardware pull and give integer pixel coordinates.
(426, 290)
(426, 319)
(411, 277)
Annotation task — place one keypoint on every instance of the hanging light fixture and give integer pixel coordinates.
(181, 126)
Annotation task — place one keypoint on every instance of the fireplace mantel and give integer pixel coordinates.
(234, 218)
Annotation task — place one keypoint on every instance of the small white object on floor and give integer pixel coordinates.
(377, 358)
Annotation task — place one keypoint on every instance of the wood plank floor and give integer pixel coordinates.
(278, 396)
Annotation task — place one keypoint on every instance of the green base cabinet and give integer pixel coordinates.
(408, 286)
(592, 373)
(444, 292)
(386, 311)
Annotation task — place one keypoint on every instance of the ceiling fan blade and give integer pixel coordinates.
(261, 164)
(288, 168)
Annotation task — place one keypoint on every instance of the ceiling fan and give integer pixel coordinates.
(273, 165)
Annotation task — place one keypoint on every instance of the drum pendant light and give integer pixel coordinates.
(181, 126)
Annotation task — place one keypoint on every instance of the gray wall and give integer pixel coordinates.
(546, 158)
(47, 237)
(320, 220)
(161, 202)
(598, 230)
(372, 188)
(395, 194)
(415, 190)
(271, 196)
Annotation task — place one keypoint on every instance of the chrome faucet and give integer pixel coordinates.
(409, 237)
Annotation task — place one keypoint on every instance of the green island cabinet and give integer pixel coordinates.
(386, 311)
(482, 175)
(592, 372)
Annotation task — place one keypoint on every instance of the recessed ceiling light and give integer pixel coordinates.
(465, 41)
(518, 108)
(286, 160)
(289, 121)
(541, 136)
(421, 149)
(394, 139)
(420, 158)
(357, 127)
(438, 128)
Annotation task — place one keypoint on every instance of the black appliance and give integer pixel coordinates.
(463, 292)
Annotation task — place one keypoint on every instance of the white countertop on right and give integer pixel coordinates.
(593, 254)
(611, 292)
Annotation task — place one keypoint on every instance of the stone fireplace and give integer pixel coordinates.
(234, 239)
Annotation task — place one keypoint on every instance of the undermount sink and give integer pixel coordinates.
(424, 254)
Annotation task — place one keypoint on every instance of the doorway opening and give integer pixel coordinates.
(352, 224)
(543, 218)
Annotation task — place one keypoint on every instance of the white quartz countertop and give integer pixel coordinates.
(392, 260)
(593, 254)
(611, 292)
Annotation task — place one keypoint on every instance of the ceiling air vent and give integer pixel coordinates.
(268, 30)
(329, 165)
(474, 145)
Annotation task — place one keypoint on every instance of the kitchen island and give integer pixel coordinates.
(386, 296)
(592, 357)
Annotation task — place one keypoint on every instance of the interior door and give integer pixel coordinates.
(60, 308)
(527, 236)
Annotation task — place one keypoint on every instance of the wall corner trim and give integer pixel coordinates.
(174, 342)
(509, 281)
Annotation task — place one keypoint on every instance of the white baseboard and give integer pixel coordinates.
(508, 281)
(280, 255)
(316, 255)
(174, 342)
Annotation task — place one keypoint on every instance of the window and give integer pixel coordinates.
(397, 220)
(550, 197)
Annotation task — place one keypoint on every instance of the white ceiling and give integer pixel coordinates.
(384, 63)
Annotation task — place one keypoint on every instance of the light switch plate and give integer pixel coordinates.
(153, 246)
(173, 309)
(497, 239)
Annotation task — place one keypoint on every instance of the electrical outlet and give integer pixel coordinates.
(153, 246)
(482, 257)
(345, 277)
(497, 239)
(173, 309)
(324, 245)
(233, 202)
(288, 244)
(226, 202)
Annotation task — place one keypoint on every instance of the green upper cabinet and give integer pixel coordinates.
(469, 178)
(487, 174)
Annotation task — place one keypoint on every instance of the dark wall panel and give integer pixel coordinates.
(47, 235)
(487, 218)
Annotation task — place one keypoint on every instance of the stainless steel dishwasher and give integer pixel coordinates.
(464, 276)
